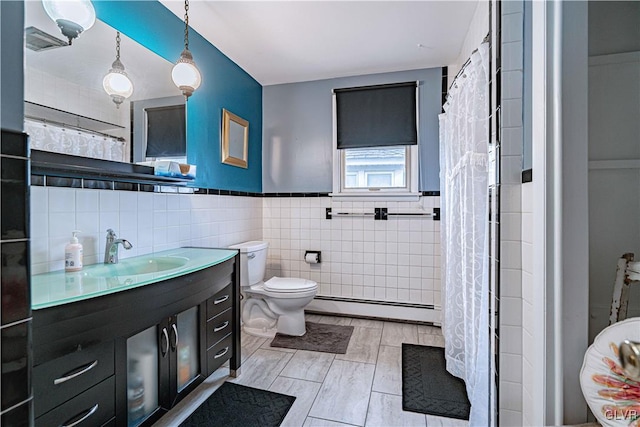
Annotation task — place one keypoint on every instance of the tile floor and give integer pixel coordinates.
(360, 388)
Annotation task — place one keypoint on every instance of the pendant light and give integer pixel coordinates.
(72, 16)
(185, 74)
(116, 83)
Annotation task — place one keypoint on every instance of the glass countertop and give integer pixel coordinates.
(60, 287)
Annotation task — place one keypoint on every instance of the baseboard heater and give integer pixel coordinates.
(375, 308)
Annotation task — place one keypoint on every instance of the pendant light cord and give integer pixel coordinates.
(186, 24)
(117, 45)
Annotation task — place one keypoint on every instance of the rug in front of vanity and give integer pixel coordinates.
(319, 337)
(427, 387)
(234, 405)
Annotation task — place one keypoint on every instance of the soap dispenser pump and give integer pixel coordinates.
(73, 254)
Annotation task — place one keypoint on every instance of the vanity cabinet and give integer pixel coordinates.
(126, 358)
(219, 327)
(164, 363)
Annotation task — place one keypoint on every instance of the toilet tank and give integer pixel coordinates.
(253, 261)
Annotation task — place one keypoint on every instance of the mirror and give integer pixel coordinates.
(66, 107)
(235, 137)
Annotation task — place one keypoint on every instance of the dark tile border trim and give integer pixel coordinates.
(14, 143)
(100, 184)
(37, 180)
(295, 195)
(527, 175)
(56, 181)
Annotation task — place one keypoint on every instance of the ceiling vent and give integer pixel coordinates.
(37, 40)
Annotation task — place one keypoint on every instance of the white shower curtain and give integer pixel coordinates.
(464, 143)
(58, 139)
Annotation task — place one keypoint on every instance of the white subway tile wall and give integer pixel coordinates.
(393, 260)
(150, 221)
(529, 322)
(513, 380)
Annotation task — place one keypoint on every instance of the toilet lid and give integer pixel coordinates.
(289, 284)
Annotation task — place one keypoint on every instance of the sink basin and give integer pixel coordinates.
(135, 266)
(60, 287)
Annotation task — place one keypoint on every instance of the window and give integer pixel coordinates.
(159, 129)
(380, 167)
(166, 132)
(375, 141)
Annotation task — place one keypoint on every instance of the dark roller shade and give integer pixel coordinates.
(166, 131)
(377, 116)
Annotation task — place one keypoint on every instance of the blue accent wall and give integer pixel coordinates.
(224, 85)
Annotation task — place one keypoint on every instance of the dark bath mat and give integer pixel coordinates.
(427, 387)
(234, 405)
(319, 337)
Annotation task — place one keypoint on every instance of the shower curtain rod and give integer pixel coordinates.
(486, 39)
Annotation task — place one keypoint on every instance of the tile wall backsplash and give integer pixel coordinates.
(393, 260)
(150, 221)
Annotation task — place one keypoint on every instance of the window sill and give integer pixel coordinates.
(379, 197)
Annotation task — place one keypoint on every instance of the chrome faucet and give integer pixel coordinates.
(111, 249)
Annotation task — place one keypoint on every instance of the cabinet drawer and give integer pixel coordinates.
(219, 302)
(94, 407)
(58, 380)
(219, 353)
(219, 327)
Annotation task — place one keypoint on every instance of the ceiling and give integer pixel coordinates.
(292, 41)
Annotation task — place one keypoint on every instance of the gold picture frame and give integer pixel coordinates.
(235, 140)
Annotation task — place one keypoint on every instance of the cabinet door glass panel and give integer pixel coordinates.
(187, 347)
(142, 375)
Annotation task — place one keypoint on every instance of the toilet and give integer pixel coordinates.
(276, 305)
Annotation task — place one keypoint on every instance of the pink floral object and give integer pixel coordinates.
(623, 390)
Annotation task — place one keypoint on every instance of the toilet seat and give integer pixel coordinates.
(308, 289)
(289, 284)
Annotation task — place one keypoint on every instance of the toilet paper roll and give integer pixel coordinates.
(311, 258)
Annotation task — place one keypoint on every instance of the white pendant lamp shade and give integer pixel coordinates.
(185, 74)
(117, 84)
(72, 16)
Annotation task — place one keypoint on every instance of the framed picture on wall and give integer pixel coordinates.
(235, 140)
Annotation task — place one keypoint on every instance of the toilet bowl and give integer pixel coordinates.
(276, 305)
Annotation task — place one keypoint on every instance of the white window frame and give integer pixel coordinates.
(408, 193)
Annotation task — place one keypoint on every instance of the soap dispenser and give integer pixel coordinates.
(73, 254)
